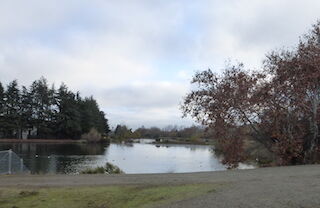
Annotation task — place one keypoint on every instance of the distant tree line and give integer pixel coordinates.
(279, 106)
(171, 132)
(123, 132)
(40, 111)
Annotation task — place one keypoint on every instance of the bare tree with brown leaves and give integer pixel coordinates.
(279, 105)
(225, 103)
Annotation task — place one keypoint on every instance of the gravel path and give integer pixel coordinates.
(294, 186)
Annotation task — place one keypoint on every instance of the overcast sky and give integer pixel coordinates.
(136, 57)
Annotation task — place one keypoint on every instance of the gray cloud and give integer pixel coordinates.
(246, 30)
(148, 104)
(145, 95)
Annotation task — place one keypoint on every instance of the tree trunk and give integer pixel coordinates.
(311, 151)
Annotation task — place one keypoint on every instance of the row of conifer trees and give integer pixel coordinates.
(52, 113)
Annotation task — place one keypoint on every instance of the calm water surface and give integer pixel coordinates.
(131, 158)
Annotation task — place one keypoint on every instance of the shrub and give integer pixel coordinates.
(109, 169)
(92, 136)
(113, 169)
(97, 170)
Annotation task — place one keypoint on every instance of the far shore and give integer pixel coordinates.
(51, 141)
(74, 141)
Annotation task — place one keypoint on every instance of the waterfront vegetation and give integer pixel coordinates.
(133, 196)
(169, 134)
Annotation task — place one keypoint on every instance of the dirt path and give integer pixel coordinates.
(295, 186)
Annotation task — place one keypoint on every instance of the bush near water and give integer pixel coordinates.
(108, 169)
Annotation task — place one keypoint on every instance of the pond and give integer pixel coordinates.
(131, 158)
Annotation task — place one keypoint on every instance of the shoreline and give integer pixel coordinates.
(81, 141)
(49, 141)
(181, 142)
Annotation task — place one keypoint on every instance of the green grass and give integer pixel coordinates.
(100, 196)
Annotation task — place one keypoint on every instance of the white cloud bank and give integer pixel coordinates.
(137, 57)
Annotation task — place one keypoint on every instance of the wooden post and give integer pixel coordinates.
(21, 165)
(10, 162)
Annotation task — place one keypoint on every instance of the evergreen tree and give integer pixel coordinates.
(12, 110)
(42, 107)
(92, 117)
(103, 124)
(25, 109)
(68, 116)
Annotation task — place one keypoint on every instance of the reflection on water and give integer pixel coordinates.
(131, 158)
(57, 158)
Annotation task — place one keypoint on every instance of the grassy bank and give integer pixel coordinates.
(100, 196)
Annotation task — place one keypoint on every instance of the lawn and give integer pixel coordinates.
(100, 196)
